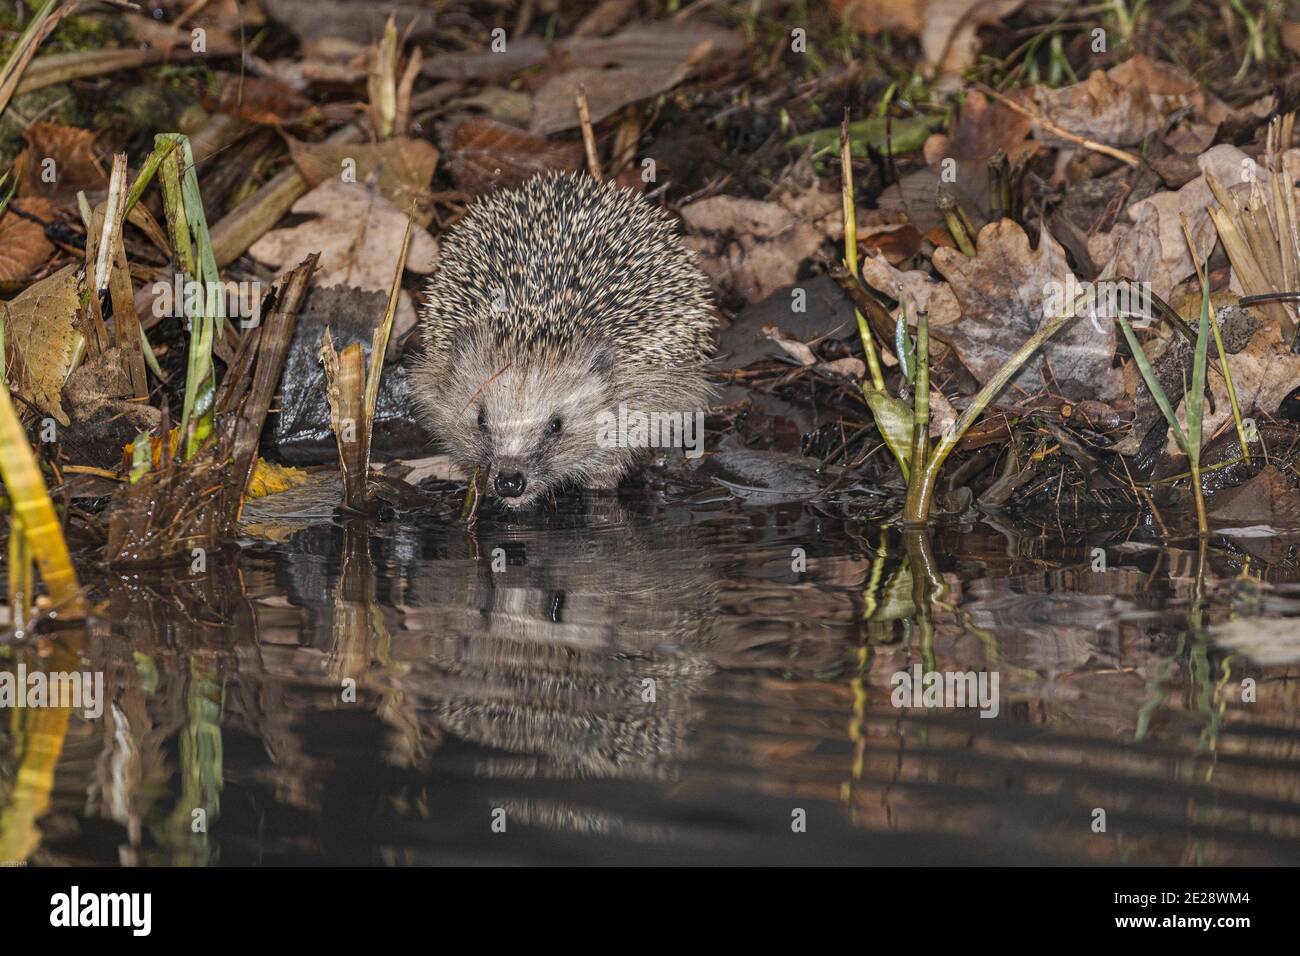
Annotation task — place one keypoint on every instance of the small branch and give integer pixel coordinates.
(1055, 130)
(588, 135)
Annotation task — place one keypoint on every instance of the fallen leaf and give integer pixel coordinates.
(341, 18)
(923, 293)
(947, 28)
(1264, 373)
(913, 196)
(608, 16)
(40, 331)
(877, 16)
(403, 168)
(1123, 105)
(487, 155)
(633, 65)
(1154, 249)
(271, 479)
(791, 346)
(1004, 293)
(485, 64)
(762, 242)
(258, 99)
(23, 246)
(511, 107)
(812, 309)
(848, 367)
(358, 234)
(948, 37)
(219, 42)
(1266, 498)
(60, 161)
(1291, 35)
(897, 243)
(415, 470)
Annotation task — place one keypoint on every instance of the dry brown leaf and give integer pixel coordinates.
(848, 367)
(947, 28)
(1123, 105)
(220, 42)
(346, 18)
(761, 243)
(487, 155)
(23, 246)
(1004, 294)
(40, 333)
(876, 16)
(258, 99)
(633, 65)
(509, 107)
(608, 16)
(982, 130)
(922, 293)
(1154, 249)
(948, 38)
(58, 162)
(1291, 35)
(331, 61)
(358, 234)
(801, 352)
(404, 168)
(1264, 373)
(1266, 498)
(485, 64)
(897, 243)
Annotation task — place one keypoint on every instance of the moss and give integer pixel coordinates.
(53, 104)
(87, 31)
(136, 113)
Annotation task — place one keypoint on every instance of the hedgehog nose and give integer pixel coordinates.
(511, 485)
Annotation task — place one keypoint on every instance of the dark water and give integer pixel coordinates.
(703, 682)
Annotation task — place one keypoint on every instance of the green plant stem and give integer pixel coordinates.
(920, 493)
(1232, 390)
(921, 401)
(851, 252)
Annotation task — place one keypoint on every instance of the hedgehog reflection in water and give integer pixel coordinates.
(581, 656)
(553, 306)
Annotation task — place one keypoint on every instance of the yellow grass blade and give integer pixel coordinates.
(35, 512)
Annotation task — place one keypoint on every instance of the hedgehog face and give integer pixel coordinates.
(552, 307)
(530, 423)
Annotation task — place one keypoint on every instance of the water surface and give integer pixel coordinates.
(700, 682)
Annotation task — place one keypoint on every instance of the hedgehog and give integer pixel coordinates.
(555, 308)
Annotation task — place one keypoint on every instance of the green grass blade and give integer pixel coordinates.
(1196, 394)
(1153, 384)
(188, 227)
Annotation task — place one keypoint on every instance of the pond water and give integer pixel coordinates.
(706, 681)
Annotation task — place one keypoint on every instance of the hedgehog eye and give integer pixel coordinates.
(482, 420)
(556, 426)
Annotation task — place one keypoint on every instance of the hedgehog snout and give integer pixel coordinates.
(510, 484)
